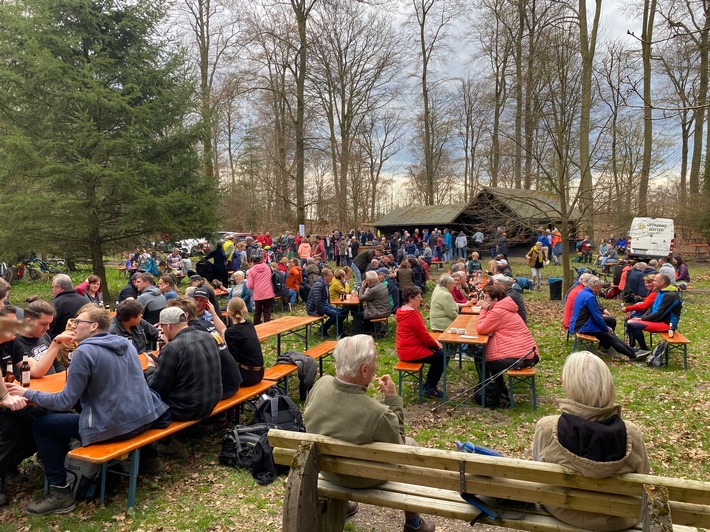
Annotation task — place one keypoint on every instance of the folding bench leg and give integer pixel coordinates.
(133, 479)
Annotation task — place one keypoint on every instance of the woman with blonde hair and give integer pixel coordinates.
(590, 437)
(243, 343)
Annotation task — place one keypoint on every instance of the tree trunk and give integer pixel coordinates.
(649, 13)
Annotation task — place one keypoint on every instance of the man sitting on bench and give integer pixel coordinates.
(340, 407)
(663, 314)
(107, 377)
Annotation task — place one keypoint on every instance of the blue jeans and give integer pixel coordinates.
(52, 434)
(358, 274)
(292, 294)
(335, 316)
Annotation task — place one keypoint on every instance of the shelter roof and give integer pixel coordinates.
(529, 204)
(422, 215)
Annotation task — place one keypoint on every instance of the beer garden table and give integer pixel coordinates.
(450, 339)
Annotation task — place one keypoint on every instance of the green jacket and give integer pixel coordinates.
(444, 309)
(341, 410)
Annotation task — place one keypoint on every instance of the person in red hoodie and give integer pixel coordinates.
(639, 308)
(571, 296)
(415, 344)
(509, 338)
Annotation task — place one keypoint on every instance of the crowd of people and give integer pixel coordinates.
(108, 396)
(205, 358)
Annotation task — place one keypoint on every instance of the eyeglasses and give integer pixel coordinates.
(77, 321)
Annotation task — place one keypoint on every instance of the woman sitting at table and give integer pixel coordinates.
(243, 343)
(510, 344)
(590, 437)
(338, 286)
(91, 290)
(415, 344)
(444, 309)
(681, 269)
(460, 290)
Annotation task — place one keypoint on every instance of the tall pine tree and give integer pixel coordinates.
(98, 129)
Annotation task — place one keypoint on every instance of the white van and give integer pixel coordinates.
(651, 238)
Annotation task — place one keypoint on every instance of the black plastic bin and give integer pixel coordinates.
(555, 284)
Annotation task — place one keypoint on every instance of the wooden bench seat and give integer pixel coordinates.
(522, 378)
(586, 340)
(321, 351)
(280, 373)
(105, 453)
(414, 370)
(429, 481)
(677, 343)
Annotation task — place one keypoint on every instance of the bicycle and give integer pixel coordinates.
(5, 272)
(36, 267)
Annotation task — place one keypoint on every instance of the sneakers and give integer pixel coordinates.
(59, 500)
(353, 507)
(174, 449)
(606, 351)
(432, 392)
(423, 527)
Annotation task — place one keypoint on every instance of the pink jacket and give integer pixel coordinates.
(259, 281)
(509, 337)
(305, 250)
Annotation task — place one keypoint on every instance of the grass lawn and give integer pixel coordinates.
(669, 404)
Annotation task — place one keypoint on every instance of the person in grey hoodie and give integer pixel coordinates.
(150, 297)
(116, 403)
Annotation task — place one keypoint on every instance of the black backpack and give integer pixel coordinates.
(247, 446)
(657, 357)
(277, 282)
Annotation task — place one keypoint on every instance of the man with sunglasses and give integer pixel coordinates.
(116, 402)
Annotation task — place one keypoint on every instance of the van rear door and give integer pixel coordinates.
(651, 237)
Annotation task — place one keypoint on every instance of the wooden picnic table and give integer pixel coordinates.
(56, 381)
(451, 339)
(221, 292)
(298, 325)
(470, 310)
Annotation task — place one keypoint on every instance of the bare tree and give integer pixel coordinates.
(355, 59)
(215, 29)
(433, 19)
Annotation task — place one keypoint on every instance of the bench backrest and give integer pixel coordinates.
(505, 478)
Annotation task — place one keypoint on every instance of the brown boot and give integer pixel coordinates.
(59, 500)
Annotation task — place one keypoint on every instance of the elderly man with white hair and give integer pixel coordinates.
(588, 319)
(339, 407)
(239, 289)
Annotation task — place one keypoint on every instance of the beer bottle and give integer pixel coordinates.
(9, 375)
(25, 371)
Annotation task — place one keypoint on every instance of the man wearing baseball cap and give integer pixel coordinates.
(187, 376)
(202, 303)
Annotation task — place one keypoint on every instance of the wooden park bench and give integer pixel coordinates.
(430, 481)
(110, 452)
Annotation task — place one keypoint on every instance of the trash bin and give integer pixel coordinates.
(555, 284)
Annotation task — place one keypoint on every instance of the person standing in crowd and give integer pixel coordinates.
(259, 282)
(536, 262)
